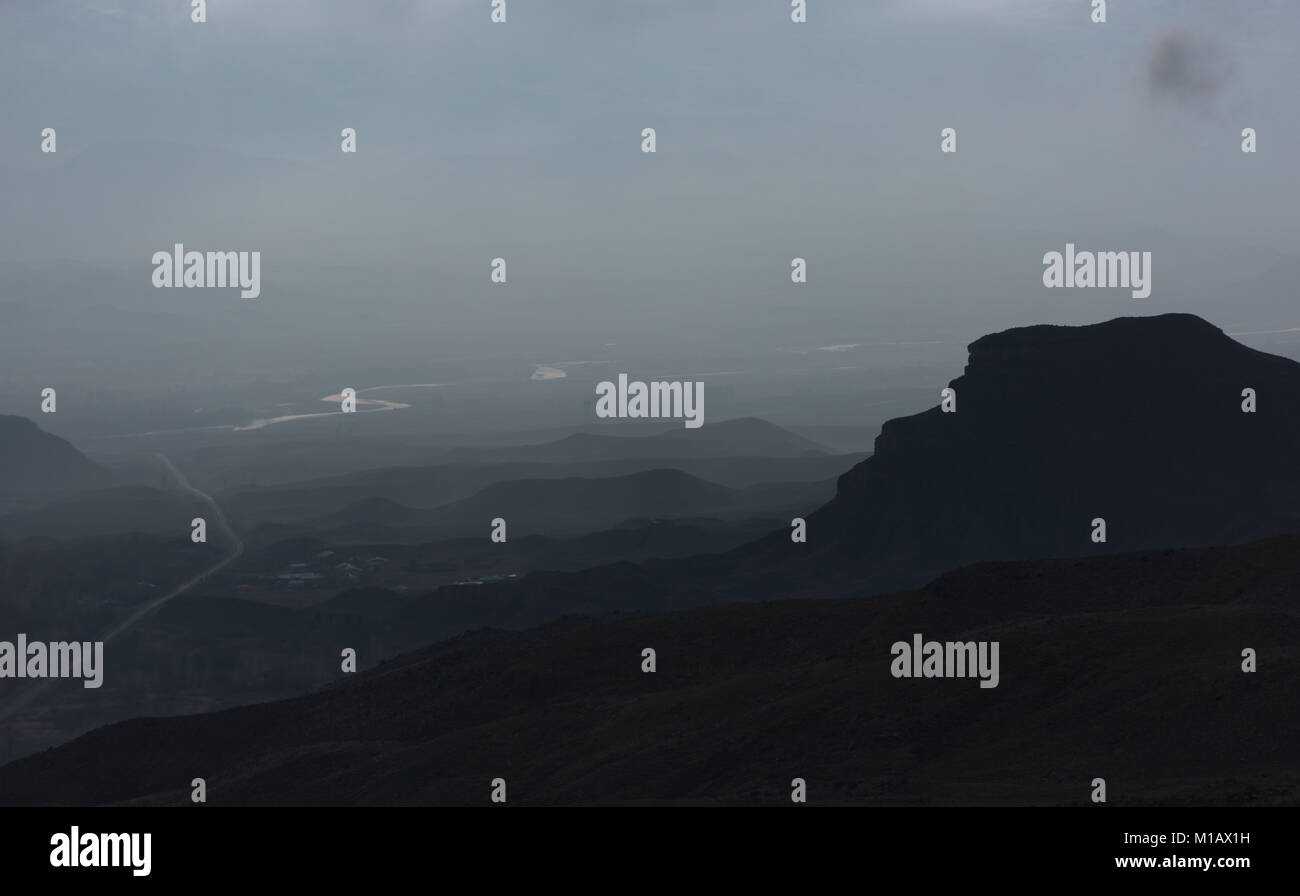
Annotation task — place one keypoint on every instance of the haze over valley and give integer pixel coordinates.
(665, 401)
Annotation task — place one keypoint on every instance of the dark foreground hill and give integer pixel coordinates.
(1125, 667)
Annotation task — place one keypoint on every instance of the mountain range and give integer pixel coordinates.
(1121, 656)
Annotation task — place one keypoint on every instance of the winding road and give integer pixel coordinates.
(222, 524)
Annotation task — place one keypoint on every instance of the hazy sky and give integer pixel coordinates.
(522, 140)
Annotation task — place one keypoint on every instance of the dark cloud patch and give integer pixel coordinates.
(1187, 70)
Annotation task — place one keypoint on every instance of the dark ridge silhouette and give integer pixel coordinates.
(36, 466)
(1137, 421)
(1123, 666)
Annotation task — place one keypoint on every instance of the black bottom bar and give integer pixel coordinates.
(333, 847)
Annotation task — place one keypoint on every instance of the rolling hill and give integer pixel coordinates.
(1125, 667)
(746, 436)
(36, 467)
(434, 486)
(560, 507)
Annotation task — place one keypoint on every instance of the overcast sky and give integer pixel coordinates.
(522, 140)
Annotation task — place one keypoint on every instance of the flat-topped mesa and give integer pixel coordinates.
(1141, 422)
(1046, 342)
(1163, 378)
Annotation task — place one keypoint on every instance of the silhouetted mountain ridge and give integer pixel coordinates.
(36, 466)
(1137, 421)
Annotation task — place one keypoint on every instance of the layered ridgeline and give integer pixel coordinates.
(36, 467)
(760, 438)
(1137, 421)
(49, 489)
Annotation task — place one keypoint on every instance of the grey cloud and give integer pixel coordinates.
(1187, 70)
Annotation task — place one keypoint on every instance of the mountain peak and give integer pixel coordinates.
(1141, 344)
(1138, 421)
(12, 424)
(38, 466)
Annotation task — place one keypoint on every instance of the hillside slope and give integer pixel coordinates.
(1125, 667)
